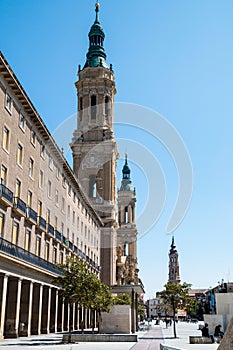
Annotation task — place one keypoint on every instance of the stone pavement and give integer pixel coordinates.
(146, 341)
(151, 340)
(184, 330)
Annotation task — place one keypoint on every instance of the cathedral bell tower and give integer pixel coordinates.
(93, 145)
(127, 271)
(174, 270)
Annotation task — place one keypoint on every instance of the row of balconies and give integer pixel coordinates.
(31, 215)
(18, 252)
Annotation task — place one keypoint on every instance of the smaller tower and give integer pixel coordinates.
(174, 270)
(127, 271)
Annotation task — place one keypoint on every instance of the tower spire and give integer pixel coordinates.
(173, 245)
(96, 55)
(126, 183)
(97, 5)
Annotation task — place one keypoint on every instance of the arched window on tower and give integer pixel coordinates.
(96, 40)
(93, 107)
(126, 216)
(107, 108)
(126, 249)
(80, 107)
(92, 187)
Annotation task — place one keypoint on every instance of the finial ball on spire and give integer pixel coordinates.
(97, 5)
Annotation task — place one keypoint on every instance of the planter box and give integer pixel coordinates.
(199, 340)
(77, 338)
(117, 321)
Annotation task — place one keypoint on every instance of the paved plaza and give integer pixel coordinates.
(149, 340)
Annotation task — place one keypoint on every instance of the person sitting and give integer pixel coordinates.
(218, 332)
(205, 331)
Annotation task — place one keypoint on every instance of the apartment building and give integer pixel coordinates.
(44, 217)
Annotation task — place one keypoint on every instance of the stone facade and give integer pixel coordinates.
(117, 321)
(44, 216)
(95, 155)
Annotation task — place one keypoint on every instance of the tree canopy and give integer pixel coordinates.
(79, 285)
(175, 297)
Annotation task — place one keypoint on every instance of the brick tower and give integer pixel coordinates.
(174, 270)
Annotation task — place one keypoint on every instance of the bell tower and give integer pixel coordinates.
(174, 269)
(127, 270)
(93, 145)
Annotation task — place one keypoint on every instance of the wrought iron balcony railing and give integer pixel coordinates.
(20, 253)
(65, 240)
(81, 254)
(20, 205)
(58, 235)
(41, 222)
(32, 214)
(6, 194)
(50, 229)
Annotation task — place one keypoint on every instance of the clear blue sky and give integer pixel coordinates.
(174, 57)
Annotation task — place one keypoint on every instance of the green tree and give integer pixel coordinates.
(192, 308)
(98, 297)
(141, 310)
(175, 297)
(122, 299)
(79, 285)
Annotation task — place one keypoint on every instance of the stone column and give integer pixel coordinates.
(121, 214)
(136, 310)
(73, 316)
(89, 317)
(129, 214)
(62, 317)
(56, 310)
(18, 307)
(49, 310)
(96, 319)
(68, 316)
(133, 214)
(40, 309)
(3, 308)
(82, 320)
(133, 311)
(77, 312)
(30, 308)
